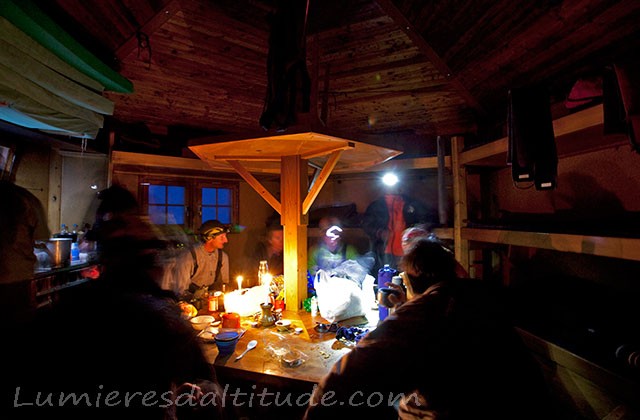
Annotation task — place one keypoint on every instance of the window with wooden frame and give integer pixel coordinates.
(189, 202)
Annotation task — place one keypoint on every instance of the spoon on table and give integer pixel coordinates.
(250, 345)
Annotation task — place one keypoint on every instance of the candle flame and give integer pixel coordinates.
(239, 280)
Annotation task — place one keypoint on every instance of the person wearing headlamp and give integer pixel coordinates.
(206, 265)
(331, 250)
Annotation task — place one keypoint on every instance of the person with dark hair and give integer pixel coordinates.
(269, 249)
(117, 346)
(22, 224)
(433, 356)
(205, 265)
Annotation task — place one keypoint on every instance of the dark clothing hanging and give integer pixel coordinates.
(288, 84)
(532, 149)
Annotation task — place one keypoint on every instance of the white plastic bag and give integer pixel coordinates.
(338, 298)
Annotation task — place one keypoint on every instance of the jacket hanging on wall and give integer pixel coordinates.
(288, 84)
(532, 149)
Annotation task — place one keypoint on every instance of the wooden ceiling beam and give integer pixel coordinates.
(407, 27)
(148, 28)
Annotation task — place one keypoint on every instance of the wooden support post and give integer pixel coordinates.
(459, 203)
(293, 190)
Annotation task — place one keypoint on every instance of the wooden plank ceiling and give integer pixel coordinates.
(391, 72)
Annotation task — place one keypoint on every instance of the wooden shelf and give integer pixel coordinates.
(576, 133)
(67, 285)
(603, 378)
(606, 246)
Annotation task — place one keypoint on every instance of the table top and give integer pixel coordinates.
(320, 351)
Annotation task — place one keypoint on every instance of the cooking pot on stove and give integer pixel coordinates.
(59, 251)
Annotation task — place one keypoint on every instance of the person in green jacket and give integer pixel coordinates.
(331, 250)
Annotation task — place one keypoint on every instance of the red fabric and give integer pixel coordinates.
(583, 92)
(397, 225)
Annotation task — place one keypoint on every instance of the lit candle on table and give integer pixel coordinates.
(239, 280)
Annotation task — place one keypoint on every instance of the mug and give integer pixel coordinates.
(383, 296)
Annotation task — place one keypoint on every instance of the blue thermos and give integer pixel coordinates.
(385, 274)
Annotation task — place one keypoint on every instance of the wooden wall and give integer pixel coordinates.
(586, 303)
(598, 182)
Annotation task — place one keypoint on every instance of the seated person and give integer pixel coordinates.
(205, 265)
(412, 233)
(24, 224)
(435, 353)
(331, 250)
(270, 249)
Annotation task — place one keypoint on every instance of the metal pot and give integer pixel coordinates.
(59, 251)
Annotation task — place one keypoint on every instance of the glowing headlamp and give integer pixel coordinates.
(213, 232)
(333, 232)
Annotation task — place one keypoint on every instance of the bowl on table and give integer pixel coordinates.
(283, 325)
(226, 341)
(201, 322)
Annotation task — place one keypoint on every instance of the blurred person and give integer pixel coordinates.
(205, 265)
(446, 342)
(412, 233)
(386, 218)
(269, 249)
(23, 226)
(115, 335)
(331, 250)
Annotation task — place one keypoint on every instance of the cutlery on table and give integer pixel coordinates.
(250, 345)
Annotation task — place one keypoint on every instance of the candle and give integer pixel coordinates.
(239, 280)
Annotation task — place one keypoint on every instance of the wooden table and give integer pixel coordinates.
(321, 351)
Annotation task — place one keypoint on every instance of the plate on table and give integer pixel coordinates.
(208, 334)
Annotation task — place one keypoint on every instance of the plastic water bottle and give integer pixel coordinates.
(75, 252)
(385, 274)
(263, 269)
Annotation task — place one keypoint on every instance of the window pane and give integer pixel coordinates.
(175, 215)
(224, 197)
(176, 195)
(157, 194)
(208, 213)
(224, 214)
(157, 214)
(209, 196)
